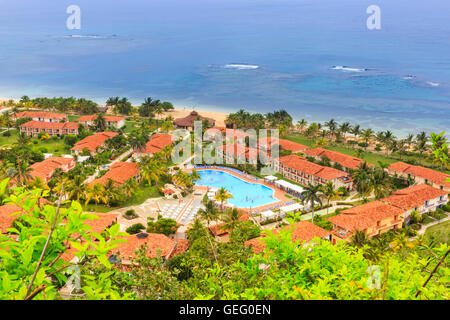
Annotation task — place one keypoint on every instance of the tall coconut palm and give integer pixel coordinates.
(367, 134)
(100, 122)
(356, 130)
(330, 192)
(209, 213)
(301, 125)
(97, 193)
(359, 238)
(230, 219)
(312, 194)
(223, 195)
(76, 188)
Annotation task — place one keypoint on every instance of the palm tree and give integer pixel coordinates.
(367, 135)
(311, 194)
(301, 125)
(359, 238)
(330, 192)
(111, 192)
(97, 193)
(222, 196)
(151, 170)
(129, 187)
(380, 183)
(100, 122)
(356, 130)
(230, 219)
(344, 128)
(332, 126)
(209, 213)
(76, 188)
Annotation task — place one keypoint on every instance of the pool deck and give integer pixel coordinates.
(278, 193)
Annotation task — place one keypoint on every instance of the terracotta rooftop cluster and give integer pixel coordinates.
(303, 231)
(418, 171)
(302, 165)
(93, 142)
(343, 159)
(119, 173)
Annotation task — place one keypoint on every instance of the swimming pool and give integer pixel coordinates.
(245, 194)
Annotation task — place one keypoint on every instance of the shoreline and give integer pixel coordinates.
(220, 114)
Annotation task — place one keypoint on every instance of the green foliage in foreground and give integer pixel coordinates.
(209, 270)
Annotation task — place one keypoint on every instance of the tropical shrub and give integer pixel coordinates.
(135, 228)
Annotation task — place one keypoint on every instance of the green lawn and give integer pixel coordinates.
(369, 157)
(129, 126)
(439, 232)
(4, 141)
(57, 147)
(72, 118)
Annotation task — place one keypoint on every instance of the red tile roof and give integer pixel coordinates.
(364, 216)
(93, 117)
(233, 133)
(304, 231)
(283, 143)
(104, 221)
(343, 159)
(7, 217)
(50, 125)
(313, 169)
(414, 196)
(45, 169)
(157, 245)
(120, 172)
(157, 142)
(40, 114)
(243, 151)
(217, 229)
(418, 171)
(93, 142)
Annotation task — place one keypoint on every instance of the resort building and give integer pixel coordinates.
(42, 116)
(33, 128)
(93, 143)
(300, 170)
(228, 135)
(374, 218)
(157, 143)
(45, 169)
(111, 121)
(158, 245)
(119, 173)
(188, 122)
(422, 198)
(347, 162)
(303, 231)
(265, 144)
(420, 175)
(238, 153)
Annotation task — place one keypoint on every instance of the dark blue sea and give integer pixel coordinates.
(315, 58)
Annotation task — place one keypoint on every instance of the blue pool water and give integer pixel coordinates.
(245, 194)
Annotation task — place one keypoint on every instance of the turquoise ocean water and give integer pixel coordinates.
(317, 59)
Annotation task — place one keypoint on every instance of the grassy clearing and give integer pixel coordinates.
(129, 126)
(57, 147)
(73, 118)
(5, 141)
(439, 232)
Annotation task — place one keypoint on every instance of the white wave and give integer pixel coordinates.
(408, 77)
(89, 36)
(347, 69)
(241, 66)
(433, 84)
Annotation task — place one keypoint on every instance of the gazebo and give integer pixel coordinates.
(188, 122)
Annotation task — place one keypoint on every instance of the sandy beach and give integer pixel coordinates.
(180, 113)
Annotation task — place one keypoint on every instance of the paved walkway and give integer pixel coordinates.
(425, 227)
